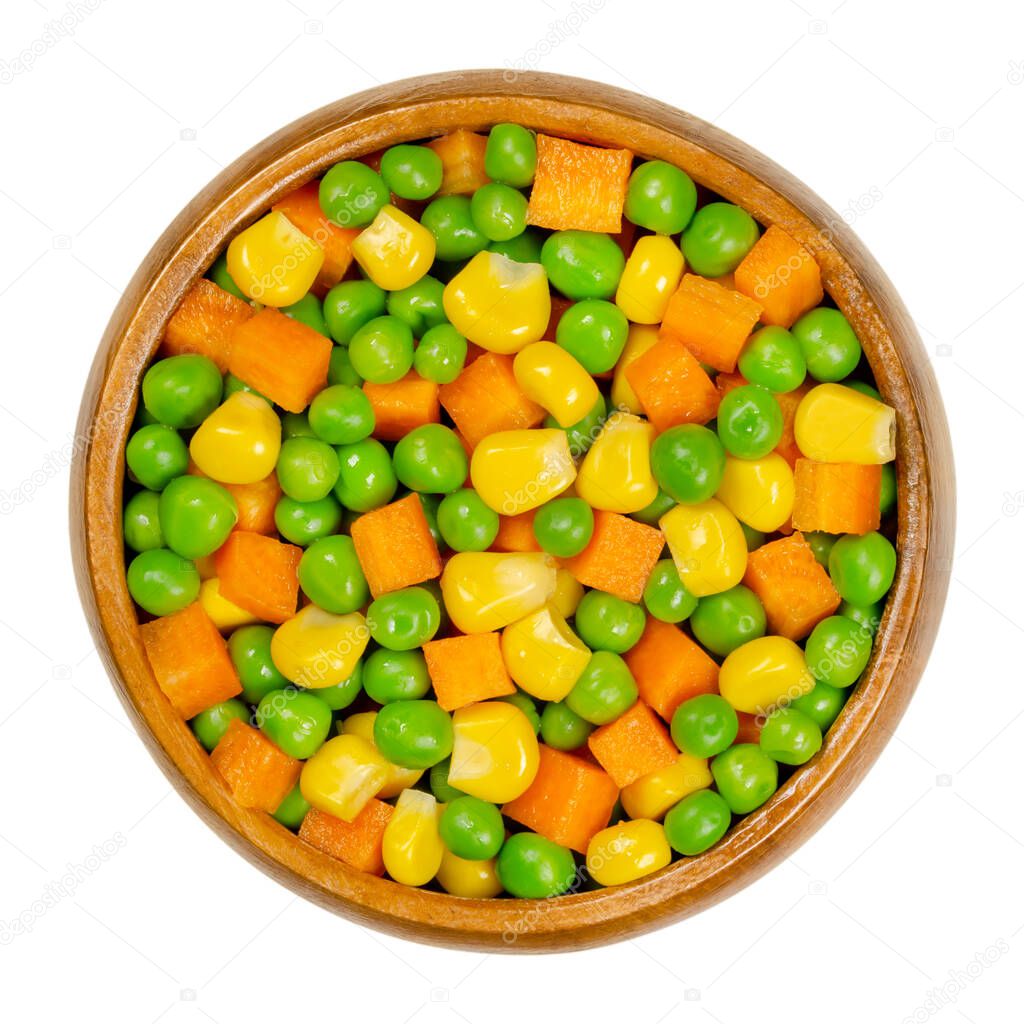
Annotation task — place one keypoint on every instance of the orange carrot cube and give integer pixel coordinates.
(465, 669)
(258, 772)
(558, 307)
(256, 503)
(633, 745)
(358, 843)
(620, 556)
(781, 275)
(750, 728)
(671, 385)
(462, 161)
(205, 323)
(836, 497)
(515, 533)
(402, 406)
(259, 574)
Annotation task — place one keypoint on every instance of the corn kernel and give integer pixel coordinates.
(485, 591)
(652, 273)
(758, 492)
(543, 655)
(399, 778)
(707, 545)
(315, 648)
(641, 337)
(838, 424)
(395, 251)
(495, 755)
(552, 377)
(273, 262)
(653, 794)
(763, 673)
(412, 845)
(224, 614)
(515, 471)
(342, 776)
(472, 879)
(616, 473)
(627, 851)
(238, 443)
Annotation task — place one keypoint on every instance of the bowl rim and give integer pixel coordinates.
(418, 108)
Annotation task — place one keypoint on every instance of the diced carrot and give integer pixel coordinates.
(462, 160)
(395, 547)
(726, 382)
(836, 497)
(302, 208)
(633, 745)
(205, 323)
(750, 728)
(711, 321)
(485, 398)
(403, 405)
(259, 574)
(190, 660)
(792, 585)
(782, 276)
(578, 187)
(625, 238)
(669, 667)
(515, 533)
(358, 843)
(569, 801)
(787, 446)
(281, 358)
(558, 307)
(620, 556)
(258, 772)
(465, 669)
(671, 385)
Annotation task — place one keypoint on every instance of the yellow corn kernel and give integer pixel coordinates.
(238, 443)
(627, 851)
(616, 473)
(641, 337)
(316, 648)
(515, 471)
(763, 673)
(342, 776)
(484, 591)
(495, 753)
(399, 778)
(568, 593)
(656, 792)
(412, 845)
(273, 262)
(554, 379)
(499, 304)
(473, 879)
(707, 545)
(651, 275)
(838, 424)
(225, 614)
(543, 655)
(758, 492)
(394, 251)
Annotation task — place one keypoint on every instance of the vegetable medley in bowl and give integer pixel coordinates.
(507, 514)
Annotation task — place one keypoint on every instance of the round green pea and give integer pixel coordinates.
(309, 311)
(563, 526)
(773, 358)
(381, 350)
(660, 197)
(498, 211)
(526, 704)
(822, 705)
(605, 622)
(142, 522)
(838, 650)
(340, 369)
(688, 462)
(466, 521)
(181, 391)
(351, 194)
(583, 264)
(727, 620)
(511, 155)
(443, 791)
(472, 828)
(296, 720)
(532, 867)
(583, 433)
(666, 596)
(413, 733)
(411, 172)
(156, 454)
(395, 675)
(705, 725)
(233, 384)
(302, 522)
(162, 582)
(292, 809)
(196, 515)
(419, 305)
(830, 347)
(864, 388)
(219, 276)
(430, 504)
(331, 577)
(524, 248)
(717, 239)
(887, 493)
(862, 568)
(746, 777)
(441, 354)
(561, 728)
(210, 725)
(605, 689)
(249, 648)
(366, 478)
(754, 538)
(749, 422)
(342, 695)
(651, 514)
(697, 822)
(450, 220)
(307, 468)
(790, 737)
(350, 305)
(594, 331)
(821, 545)
(867, 615)
(404, 619)
(341, 414)
(295, 424)
(431, 458)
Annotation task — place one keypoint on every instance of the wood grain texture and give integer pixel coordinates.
(423, 107)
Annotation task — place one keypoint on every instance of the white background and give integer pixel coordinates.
(905, 117)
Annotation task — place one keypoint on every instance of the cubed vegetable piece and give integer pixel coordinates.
(671, 386)
(358, 843)
(750, 727)
(465, 669)
(620, 556)
(258, 773)
(837, 497)
(515, 533)
(633, 745)
(259, 574)
(205, 323)
(462, 162)
(402, 406)
(781, 275)
(256, 503)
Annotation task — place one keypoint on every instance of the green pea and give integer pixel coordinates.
(143, 417)
(419, 305)
(773, 358)
(524, 248)
(829, 345)
(583, 433)
(563, 526)
(445, 270)
(650, 514)
(472, 828)
(535, 868)
(450, 220)
(443, 792)
(342, 695)
(296, 720)
(219, 276)
(561, 728)
(381, 351)
(307, 468)
(727, 620)
(249, 648)
(717, 239)
(862, 568)
(292, 809)
(605, 689)
(790, 737)
(754, 538)
(526, 704)
(746, 777)
(430, 504)
(697, 822)
(666, 596)
(583, 264)
(309, 311)
(162, 582)
(688, 461)
(466, 522)
(705, 725)
(331, 577)
(511, 155)
(431, 458)
(441, 354)
(404, 619)
(838, 650)
(210, 725)
(366, 479)
(821, 544)
(395, 675)
(350, 305)
(341, 414)
(340, 369)
(749, 422)
(302, 522)
(594, 331)
(411, 172)
(295, 424)
(822, 705)
(142, 522)
(181, 391)
(887, 495)
(660, 197)
(156, 454)
(867, 615)
(413, 733)
(233, 384)
(864, 388)
(605, 622)
(196, 515)
(351, 194)
(498, 211)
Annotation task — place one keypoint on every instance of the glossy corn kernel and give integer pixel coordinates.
(472, 879)
(499, 304)
(616, 473)
(515, 471)
(495, 755)
(484, 591)
(758, 492)
(764, 673)
(394, 251)
(627, 851)
(342, 776)
(707, 545)
(568, 593)
(224, 614)
(641, 337)
(651, 275)
(838, 424)
(543, 655)
(399, 778)
(238, 443)
(412, 847)
(273, 262)
(316, 648)
(554, 379)
(653, 794)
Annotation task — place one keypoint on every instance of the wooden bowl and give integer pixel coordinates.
(415, 109)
